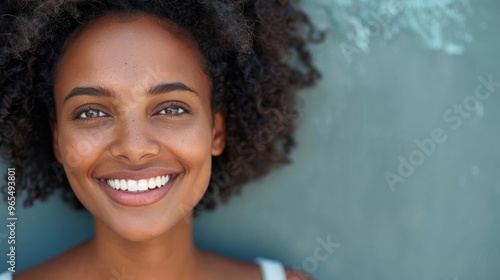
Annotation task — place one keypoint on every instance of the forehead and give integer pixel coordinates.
(112, 49)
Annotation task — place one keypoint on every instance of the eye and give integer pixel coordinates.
(173, 110)
(90, 114)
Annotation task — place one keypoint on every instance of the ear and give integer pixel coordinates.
(219, 133)
(55, 140)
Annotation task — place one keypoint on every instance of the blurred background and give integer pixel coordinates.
(395, 173)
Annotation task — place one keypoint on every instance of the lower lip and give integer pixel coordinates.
(142, 198)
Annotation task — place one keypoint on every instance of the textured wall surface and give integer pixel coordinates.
(396, 171)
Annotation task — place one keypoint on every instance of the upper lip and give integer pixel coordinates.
(138, 174)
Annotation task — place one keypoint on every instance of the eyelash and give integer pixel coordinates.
(87, 108)
(173, 105)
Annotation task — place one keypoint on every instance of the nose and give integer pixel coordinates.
(135, 141)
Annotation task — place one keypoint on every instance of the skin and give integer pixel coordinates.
(130, 130)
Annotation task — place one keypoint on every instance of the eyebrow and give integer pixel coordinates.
(154, 90)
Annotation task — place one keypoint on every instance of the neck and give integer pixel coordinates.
(172, 254)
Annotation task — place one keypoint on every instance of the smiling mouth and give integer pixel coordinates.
(142, 185)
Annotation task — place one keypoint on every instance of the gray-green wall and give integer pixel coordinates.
(394, 74)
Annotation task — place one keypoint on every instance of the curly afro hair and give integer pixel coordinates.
(255, 53)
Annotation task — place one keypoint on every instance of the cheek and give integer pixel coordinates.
(78, 149)
(190, 142)
(192, 146)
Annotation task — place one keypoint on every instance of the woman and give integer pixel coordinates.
(144, 104)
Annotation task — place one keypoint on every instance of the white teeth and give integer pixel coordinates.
(132, 185)
(151, 183)
(140, 185)
(123, 185)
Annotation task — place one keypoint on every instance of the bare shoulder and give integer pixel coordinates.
(41, 271)
(58, 267)
(217, 266)
(297, 275)
(226, 268)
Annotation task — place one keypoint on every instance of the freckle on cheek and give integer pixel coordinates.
(71, 160)
(73, 155)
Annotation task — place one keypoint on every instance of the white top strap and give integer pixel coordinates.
(271, 270)
(7, 275)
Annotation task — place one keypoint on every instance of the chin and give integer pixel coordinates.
(134, 235)
(138, 233)
(138, 226)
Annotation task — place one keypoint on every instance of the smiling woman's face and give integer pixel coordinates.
(135, 131)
